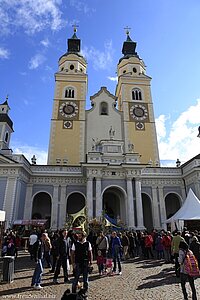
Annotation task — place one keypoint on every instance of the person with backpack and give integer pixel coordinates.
(188, 269)
(81, 258)
(195, 248)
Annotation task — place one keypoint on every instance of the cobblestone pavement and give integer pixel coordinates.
(150, 279)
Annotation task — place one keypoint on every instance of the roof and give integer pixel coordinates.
(189, 161)
(190, 210)
(5, 118)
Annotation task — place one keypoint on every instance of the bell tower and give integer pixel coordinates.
(67, 136)
(6, 126)
(134, 100)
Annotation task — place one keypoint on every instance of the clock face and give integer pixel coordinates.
(138, 112)
(68, 109)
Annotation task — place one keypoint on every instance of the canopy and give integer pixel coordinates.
(34, 222)
(190, 209)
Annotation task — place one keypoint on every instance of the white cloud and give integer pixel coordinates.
(81, 5)
(4, 53)
(23, 73)
(113, 78)
(180, 141)
(45, 43)
(36, 61)
(31, 15)
(29, 151)
(100, 59)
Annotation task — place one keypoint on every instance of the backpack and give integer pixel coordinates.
(191, 264)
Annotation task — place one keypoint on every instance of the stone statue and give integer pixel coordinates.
(130, 147)
(199, 132)
(111, 133)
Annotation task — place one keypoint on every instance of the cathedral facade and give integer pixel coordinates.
(104, 159)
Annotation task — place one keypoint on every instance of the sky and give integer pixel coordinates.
(34, 33)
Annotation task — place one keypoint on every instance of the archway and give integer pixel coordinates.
(75, 203)
(42, 207)
(114, 203)
(147, 212)
(172, 204)
(75, 210)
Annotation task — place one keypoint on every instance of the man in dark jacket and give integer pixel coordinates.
(39, 256)
(62, 256)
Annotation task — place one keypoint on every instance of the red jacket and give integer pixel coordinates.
(148, 242)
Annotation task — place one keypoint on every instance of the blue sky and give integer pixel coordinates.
(33, 35)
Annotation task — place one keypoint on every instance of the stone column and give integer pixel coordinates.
(9, 200)
(28, 202)
(62, 209)
(90, 198)
(98, 199)
(139, 208)
(130, 207)
(54, 208)
(155, 208)
(162, 208)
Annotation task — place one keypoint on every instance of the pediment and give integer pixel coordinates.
(103, 90)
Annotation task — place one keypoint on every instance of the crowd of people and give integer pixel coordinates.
(78, 251)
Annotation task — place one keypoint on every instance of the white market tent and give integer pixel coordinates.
(190, 210)
(2, 215)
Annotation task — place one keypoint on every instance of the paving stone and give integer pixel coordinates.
(140, 280)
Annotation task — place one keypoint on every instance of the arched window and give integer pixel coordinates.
(6, 137)
(136, 94)
(104, 108)
(69, 93)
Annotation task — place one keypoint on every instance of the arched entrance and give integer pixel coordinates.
(172, 204)
(114, 203)
(76, 210)
(41, 208)
(75, 203)
(147, 212)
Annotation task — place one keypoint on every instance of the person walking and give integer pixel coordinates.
(184, 276)
(116, 252)
(39, 257)
(175, 250)
(81, 258)
(62, 256)
(47, 250)
(195, 248)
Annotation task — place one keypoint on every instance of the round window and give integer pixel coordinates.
(134, 70)
(71, 67)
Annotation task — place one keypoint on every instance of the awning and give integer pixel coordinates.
(34, 222)
(2, 215)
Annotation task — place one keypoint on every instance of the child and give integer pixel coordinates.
(100, 262)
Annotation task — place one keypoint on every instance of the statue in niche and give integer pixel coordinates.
(111, 133)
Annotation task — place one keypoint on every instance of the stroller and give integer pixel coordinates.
(74, 296)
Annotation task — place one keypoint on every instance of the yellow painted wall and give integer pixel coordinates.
(66, 143)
